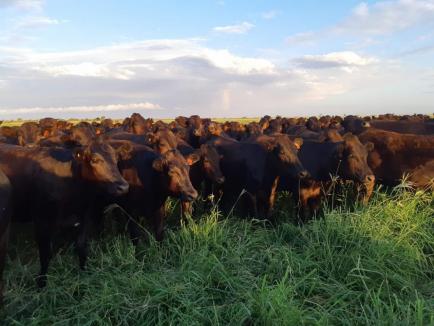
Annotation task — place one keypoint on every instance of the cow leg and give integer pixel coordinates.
(159, 217)
(271, 199)
(43, 239)
(134, 230)
(252, 204)
(81, 244)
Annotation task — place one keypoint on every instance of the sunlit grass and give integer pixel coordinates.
(373, 265)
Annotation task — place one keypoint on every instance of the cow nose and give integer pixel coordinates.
(191, 196)
(121, 188)
(370, 178)
(220, 180)
(303, 174)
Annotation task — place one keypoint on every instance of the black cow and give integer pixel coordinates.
(254, 166)
(152, 178)
(56, 187)
(346, 159)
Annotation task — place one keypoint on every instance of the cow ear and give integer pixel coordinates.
(369, 146)
(124, 152)
(298, 142)
(192, 158)
(158, 164)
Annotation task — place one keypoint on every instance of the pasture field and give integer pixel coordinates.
(373, 265)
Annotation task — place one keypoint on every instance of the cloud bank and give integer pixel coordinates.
(171, 77)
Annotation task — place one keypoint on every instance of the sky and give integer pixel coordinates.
(215, 58)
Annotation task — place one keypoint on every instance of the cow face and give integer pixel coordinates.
(355, 125)
(286, 151)
(29, 134)
(313, 124)
(98, 162)
(138, 124)
(353, 155)
(162, 140)
(175, 169)
(195, 125)
(211, 163)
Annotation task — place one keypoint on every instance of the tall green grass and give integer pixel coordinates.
(370, 266)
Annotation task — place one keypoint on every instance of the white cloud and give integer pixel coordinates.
(36, 21)
(82, 109)
(242, 28)
(23, 4)
(122, 60)
(345, 59)
(271, 14)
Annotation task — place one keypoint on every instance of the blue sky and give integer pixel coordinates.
(75, 58)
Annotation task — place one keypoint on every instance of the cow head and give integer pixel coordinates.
(174, 169)
(138, 124)
(286, 152)
(355, 125)
(98, 165)
(29, 134)
(313, 124)
(162, 140)
(353, 157)
(211, 163)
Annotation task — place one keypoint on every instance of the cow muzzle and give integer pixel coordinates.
(189, 196)
(120, 188)
(303, 174)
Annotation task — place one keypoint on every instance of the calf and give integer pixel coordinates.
(56, 188)
(5, 210)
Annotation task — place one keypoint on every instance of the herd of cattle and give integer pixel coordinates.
(60, 176)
